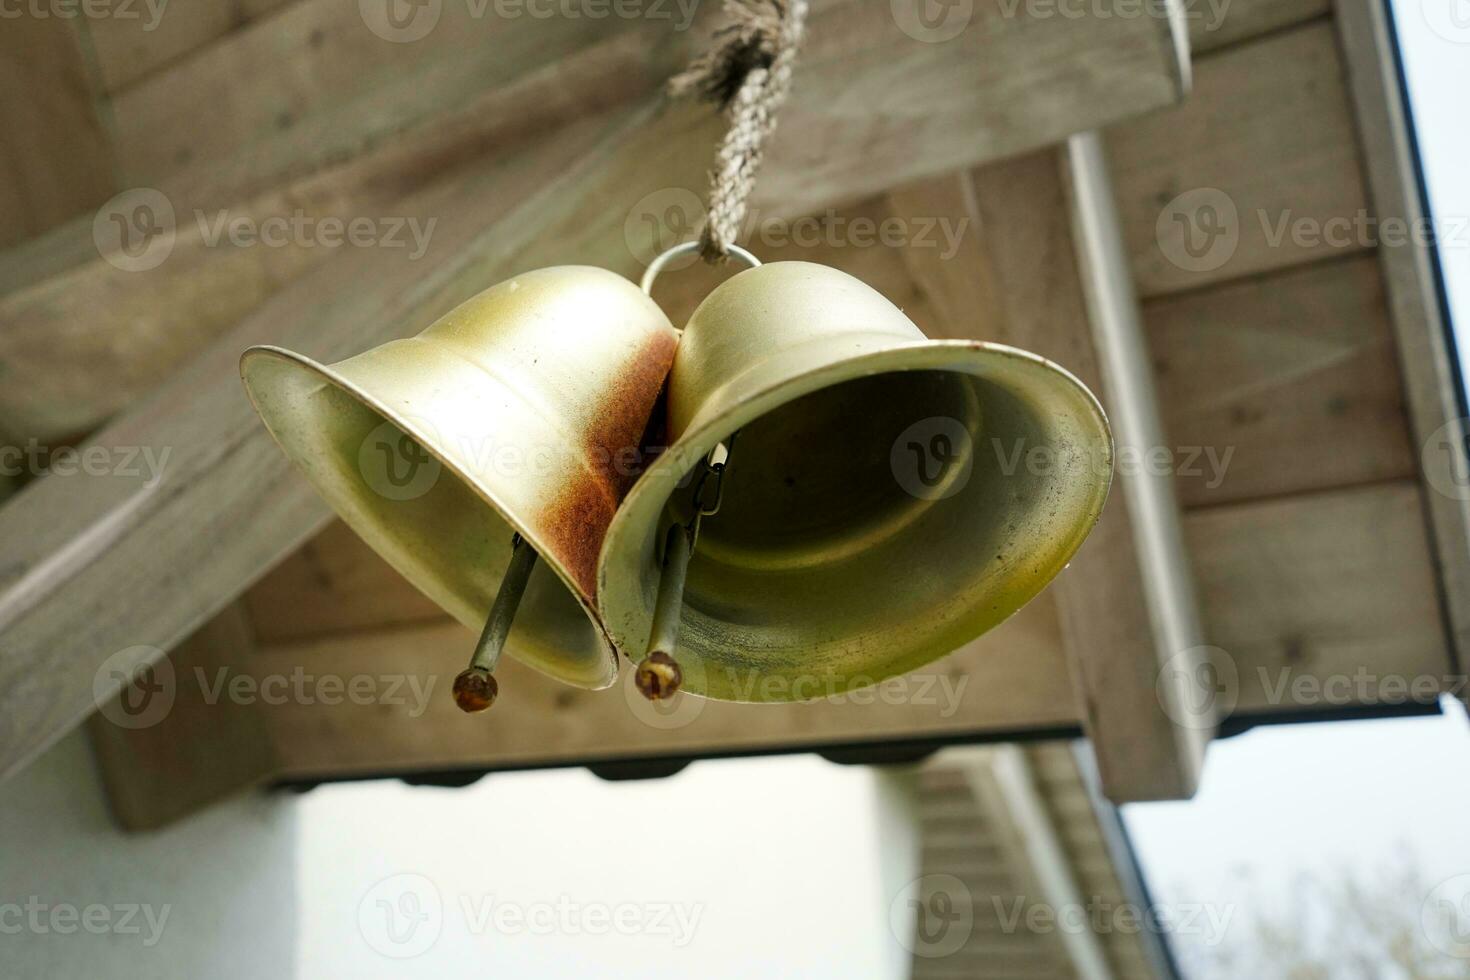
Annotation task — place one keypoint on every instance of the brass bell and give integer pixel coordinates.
(889, 497)
(501, 433)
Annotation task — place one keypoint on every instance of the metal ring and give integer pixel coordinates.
(681, 250)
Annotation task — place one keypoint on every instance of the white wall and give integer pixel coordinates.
(781, 867)
(214, 897)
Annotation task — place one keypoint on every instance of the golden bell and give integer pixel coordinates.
(513, 415)
(889, 497)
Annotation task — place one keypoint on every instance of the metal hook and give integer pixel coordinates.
(650, 275)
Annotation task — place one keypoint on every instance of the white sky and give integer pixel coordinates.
(1435, 38)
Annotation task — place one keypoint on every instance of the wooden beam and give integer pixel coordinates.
(1272, 576)
(1147, 735)
(1003, 86)
(54, 159)
(1432, 378)
(143, 564)
(155, 766)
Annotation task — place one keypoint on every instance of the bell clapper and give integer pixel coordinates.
(475, 688)
(658, 675)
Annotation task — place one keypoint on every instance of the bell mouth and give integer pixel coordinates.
(876, 515)
(435, 524)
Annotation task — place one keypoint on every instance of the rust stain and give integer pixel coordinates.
(616, 447)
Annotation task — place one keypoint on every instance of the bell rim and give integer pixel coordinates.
(323, 371)
(918, 355)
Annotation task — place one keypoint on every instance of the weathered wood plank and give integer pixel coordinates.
(314, 83)
(1009, 84)
(54, 158)
(1215, 24)
(1264, 146)
(118, 330)
(1329, 587)
(147, 38)
(1278, 384)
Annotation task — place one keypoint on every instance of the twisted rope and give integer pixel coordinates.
(747, 72)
